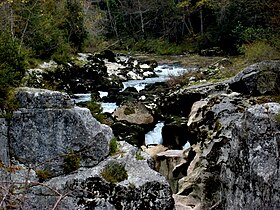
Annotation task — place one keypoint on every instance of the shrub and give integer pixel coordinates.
(138, 155)
(43, 175)
(277, 117)
(95, 109)
(114, 172)
(113, 146)
(71, 162)
(260, 50)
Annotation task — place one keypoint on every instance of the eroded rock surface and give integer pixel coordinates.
(43, 132)
(250, 177)
(87, 188)
(257, 79)
(46, 128)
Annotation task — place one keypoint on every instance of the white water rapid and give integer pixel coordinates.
(164, 72)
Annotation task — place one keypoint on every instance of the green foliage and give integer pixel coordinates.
(12, 69)
(75, 29)
(138, 155)
(260, 50)
(71, 162)
(277, 117)
(114, 172)
(10, 104)
(113, 146)
(129, 110)
(43, 175)
(95, 109)
(159, 47)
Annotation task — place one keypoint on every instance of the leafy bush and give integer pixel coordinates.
(71, 162)
(43, 175)
(113, 146)
(114, 172)
(277, 117)
(95, 109)
(260, 50)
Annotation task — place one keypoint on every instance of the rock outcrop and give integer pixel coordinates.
(59, 158)
(4, 151)
(46, 128)
(250, 177)
(258, 79)
(143, 188)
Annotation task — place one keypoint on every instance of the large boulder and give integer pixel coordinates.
(135, 113)
(257, 79)
(132, 121)
(89, 188)
(250, 177)
(47, 128)
(209, 129)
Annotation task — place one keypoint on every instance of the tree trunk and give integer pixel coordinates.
(201, 21)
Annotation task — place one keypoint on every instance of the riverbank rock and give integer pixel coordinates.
(135, 113)
(132, 122)
(179, 101)
(250, 177)
(258, 79)
(167, 163)
(47, 128)
(90, 73)
(48, 135)
(92, 188)
(4, 151)
(210, 127)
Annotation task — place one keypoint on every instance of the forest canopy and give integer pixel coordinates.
(55, 29)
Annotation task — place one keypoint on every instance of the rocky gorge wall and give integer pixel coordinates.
(56, 155)
(233, 161)
(232, 128)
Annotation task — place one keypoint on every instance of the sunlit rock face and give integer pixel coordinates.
(250, 177)
(47, 127)
(143, 188)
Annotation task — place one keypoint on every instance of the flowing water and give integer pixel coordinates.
(164, 72)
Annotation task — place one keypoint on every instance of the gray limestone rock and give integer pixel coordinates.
(4, 151)
(257, 79)
(87, 188)
(32, 98)
(45, 131)
(210, 128)
(250, 177)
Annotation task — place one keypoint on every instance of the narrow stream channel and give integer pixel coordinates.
(164, 72)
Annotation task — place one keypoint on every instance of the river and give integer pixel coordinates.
(164, 72)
